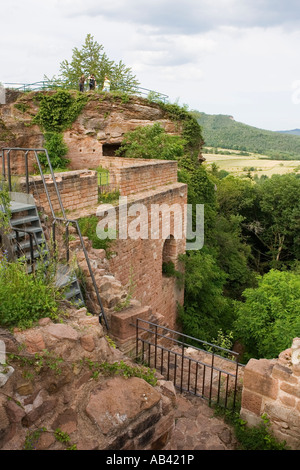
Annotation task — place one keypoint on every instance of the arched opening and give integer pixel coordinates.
(169, 256)
(109, 150)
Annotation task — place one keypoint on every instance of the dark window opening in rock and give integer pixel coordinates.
(169, 256)
(110, 149)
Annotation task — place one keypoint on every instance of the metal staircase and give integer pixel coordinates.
(27, 241)
(27, 238)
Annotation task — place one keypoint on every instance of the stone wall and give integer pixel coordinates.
(137, 262)
(78, 189)
(130, 176)
(272, 387)
(54, 388)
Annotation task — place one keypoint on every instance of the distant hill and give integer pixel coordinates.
(222, 131)
(293, 132)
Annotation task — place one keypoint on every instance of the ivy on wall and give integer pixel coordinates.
(191, 130)
(57, 111)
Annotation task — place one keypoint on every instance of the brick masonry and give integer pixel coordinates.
(138, 262)
(134, 175)
(272, 387)
(78, 189)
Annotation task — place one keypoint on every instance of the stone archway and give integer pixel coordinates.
(169, 254)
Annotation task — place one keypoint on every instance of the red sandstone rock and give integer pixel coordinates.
(110, 408)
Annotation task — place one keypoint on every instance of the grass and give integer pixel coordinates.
(259, 165)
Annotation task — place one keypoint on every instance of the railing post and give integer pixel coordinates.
(31, 252)
(26, 172)
(67, 242)
(8, 171)
(211, 376)
(155, 350)
(3, 164)
(182, 363)
(137, 338)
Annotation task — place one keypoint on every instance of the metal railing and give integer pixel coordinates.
(44, 85)
(6, 173)
(204, 371)
(33, 243)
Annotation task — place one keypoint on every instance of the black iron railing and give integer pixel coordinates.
(207, 371)
(6, 173)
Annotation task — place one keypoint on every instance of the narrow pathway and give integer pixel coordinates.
(197, 428)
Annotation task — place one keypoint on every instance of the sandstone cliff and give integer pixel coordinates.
(97, 131)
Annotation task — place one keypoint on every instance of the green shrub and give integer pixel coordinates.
(258, 437)
(25, 298)
(57, 149)
(88, 226)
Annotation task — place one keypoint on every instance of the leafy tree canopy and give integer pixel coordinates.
(91, 59)
(269, 318)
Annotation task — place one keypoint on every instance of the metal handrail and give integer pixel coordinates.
(32, 235)
(180, 358)
(6, 155)
(48, 85)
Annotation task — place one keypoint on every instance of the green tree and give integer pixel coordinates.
(278, 223)
(205, 309)
(91, 59)
(269, 318)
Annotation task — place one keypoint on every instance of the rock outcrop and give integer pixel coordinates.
(62, 392)
(98, 130)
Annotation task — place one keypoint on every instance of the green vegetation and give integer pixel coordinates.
(88, 227)
(270, 315)
(91, 59)
(151, 142)
(25, 299)
(5, 213)
(57, 150)
(191, 130)
(123, 369)
(251, 247)
(221, 131)
(260, 437)
(57, 111)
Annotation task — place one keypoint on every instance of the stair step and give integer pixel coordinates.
(73, 292)
(26, 244)
(20, 207)
(35, 230)
(64, 276)
(36, 254)
(24, 220)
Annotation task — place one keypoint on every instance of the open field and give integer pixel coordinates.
(240, 165)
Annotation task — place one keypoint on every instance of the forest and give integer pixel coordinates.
(224, 132)
(243, 287)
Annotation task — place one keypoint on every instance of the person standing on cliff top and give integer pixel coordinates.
(81, 82)
(106, 84)
(92, 82)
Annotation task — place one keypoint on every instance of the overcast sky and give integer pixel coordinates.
(236, 57)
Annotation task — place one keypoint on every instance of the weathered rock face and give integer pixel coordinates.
(97, 131)
(53, 386)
